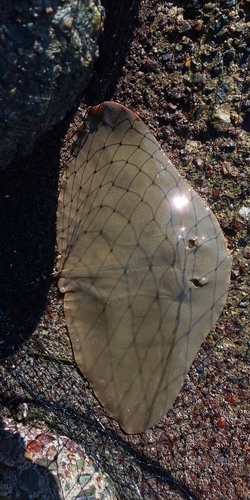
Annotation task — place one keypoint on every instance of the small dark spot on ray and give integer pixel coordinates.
(191, 243)
(196, 283)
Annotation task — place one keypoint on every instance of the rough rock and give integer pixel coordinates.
(38, 464)
(47, 52)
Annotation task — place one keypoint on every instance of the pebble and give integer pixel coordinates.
(246, 252)
(222, 116)
(245, 212)
(223, 90)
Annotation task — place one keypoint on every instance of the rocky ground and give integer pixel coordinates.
(184, 68)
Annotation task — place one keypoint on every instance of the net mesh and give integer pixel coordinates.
(192, 453)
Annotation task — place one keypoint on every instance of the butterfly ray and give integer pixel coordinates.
(144, 267)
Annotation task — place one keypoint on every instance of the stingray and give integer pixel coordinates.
(143, 266)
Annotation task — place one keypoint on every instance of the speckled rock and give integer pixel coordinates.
(47, 50)
(38, 464)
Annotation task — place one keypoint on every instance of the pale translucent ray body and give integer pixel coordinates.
(144, 267)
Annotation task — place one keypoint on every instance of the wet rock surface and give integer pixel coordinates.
(47, 52)
(37, 464)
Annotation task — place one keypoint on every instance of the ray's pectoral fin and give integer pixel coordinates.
(126, 375)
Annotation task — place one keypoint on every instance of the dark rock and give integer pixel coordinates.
(192, 8)
(229, 56)
(208, 7)
(167, 57)
(198, 162)
(229, 3)
(230, 146)
(198, 79)
(46, 59)
(222, 91)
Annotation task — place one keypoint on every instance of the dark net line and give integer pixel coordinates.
(37, 376)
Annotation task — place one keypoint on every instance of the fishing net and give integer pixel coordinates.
(199, 450)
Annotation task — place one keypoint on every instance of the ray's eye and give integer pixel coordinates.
(198, 282)
(191, 243)
(195, 242)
